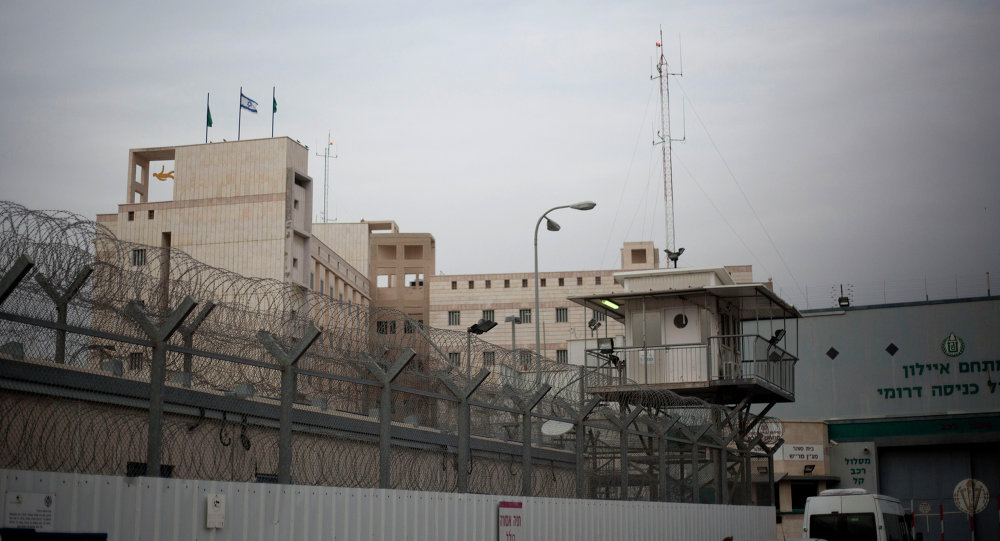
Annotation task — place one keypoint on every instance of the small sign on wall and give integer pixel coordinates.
(812, 453)
(510, 522)
(215, 517)
(29, 510)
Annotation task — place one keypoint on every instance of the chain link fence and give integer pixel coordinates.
(125, 359)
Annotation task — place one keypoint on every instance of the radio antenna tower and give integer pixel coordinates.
(324, 217)
(664, 139)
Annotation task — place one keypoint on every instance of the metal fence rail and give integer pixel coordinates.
(124, 359)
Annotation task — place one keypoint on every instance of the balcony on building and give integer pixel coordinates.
(697, 333)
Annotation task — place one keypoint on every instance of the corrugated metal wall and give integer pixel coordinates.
(175, 509)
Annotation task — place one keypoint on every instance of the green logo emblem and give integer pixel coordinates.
(953, 346)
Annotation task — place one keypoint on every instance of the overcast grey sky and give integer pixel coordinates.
(864, 134)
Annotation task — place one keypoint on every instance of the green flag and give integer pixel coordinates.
(275, 110)
(208, 121)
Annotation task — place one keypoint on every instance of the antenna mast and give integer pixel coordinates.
(324, 217)
(666, 141)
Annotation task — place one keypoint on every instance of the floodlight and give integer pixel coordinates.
(482, 326)
(583, 205)
(593, 324)
(551, 225)
(606, 345)
(808, 468)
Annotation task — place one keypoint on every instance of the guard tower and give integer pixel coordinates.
(697, 333)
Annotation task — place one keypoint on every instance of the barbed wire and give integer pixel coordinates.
(84, 279)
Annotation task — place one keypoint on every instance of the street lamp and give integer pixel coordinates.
(551, 226)
(480, 327)
(514, 321)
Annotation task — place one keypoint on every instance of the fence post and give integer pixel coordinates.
(695, 463)
(662, 443)
(14, 275)
(722, 484)
(287, 360)
(385, 410)
(579, 416)
(464, 421)
(187, 333)
(158, 335)
(61, 300)
(526, 406)
(622, 422)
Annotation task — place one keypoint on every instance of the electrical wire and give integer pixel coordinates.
(732, 176)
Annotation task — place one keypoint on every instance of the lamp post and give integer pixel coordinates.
(551, 226)
(514, 321)
(482, 326)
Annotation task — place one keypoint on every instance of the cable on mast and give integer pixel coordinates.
(324, 217)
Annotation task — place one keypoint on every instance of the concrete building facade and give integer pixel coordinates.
(243, 206)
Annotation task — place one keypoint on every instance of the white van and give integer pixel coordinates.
(853, 514)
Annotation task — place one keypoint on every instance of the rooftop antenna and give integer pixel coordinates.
(324, 217)
(664, 139)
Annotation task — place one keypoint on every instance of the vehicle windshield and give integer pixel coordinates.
(843, 527)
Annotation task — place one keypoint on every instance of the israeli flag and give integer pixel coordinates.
(248, 103)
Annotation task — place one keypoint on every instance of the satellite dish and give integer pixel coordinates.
(556, 428)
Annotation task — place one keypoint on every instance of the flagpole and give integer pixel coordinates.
(208, 107)
(272, 111)
(239, 118)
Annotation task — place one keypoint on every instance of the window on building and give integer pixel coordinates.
(134, 361)
(454, 317)
(597, 280)
(599, 316)
(489, 358)
(472, 284)
(415, 279)
(455, 358)
(524, 356)
(139, 256)
(454, 284)
(506, 284)
(385, 280)
(541, 283)
(295, 262)
(131, 216)
(385, 327)
(579, 280)
(802, 490)
(524, 282)
(322, 287)
(312, 281)
(562, 315)
(295, 204)
(150, 214)
(525, 315)
(487, 284)
(562, 356)
(408, 327)
(562, 282)
(386, 251)
(488, 315)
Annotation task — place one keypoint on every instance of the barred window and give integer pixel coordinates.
(597, 280)
(524, 356)
(599, 316)
(489, 358)
(455, 358)
(562, 356)
(525, 315)
(454, 317)
(385, 327)
(488, 315)
(139, 256)
(562, 315)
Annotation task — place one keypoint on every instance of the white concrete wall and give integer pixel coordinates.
(175, 509)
